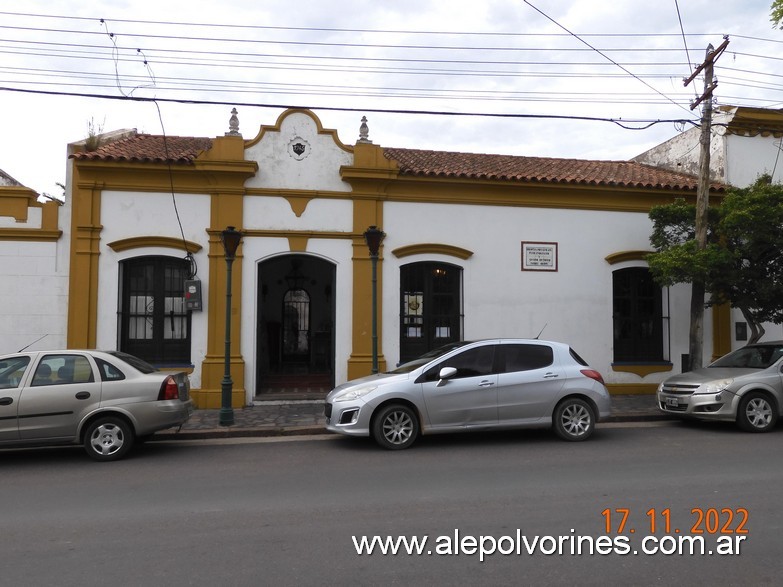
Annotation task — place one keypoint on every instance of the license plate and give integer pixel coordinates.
(672, 401)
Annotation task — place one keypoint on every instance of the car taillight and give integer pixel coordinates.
(169, 389)
(593, 374)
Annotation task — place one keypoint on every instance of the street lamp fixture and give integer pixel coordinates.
(230, 238)
(373, 236)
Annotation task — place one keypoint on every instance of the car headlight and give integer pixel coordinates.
(354, 393)
(715, 386)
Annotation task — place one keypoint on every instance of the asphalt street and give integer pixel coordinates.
(286, 511)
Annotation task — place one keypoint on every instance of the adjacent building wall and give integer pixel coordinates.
(33, 270)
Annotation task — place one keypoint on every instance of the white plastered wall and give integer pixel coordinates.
(129, 214)
(34, 291)
(573, 304)
(279, 167)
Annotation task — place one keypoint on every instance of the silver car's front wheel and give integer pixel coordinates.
(395, 427)
(574, 419)
(108, 439)
(757, 413)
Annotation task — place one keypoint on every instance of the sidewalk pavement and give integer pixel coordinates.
(303, 417)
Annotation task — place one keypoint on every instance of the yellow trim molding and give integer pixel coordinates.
(297, 243)
(641, 369)
(632, 388)
(623, 256)
(432, 249)
(139, 242)
(29, 234)
(298, 204)
(15, 202)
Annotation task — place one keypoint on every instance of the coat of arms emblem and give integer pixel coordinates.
(298, 148)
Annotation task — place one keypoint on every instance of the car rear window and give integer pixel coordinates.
(526, 357)
(108, 371)
(577, 358)
(134, 362)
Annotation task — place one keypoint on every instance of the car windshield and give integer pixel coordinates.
(752, 357)
(427, 357)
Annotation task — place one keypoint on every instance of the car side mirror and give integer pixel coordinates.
(445, 374)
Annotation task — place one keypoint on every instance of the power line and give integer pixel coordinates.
(364, 30)
(601, 53)
(357, 60)
(624, 123)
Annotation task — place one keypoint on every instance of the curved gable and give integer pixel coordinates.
(297, 153)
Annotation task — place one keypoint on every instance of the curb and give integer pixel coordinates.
(281, 431)
(240, 432)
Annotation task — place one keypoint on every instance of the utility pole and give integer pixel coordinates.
(696, 338)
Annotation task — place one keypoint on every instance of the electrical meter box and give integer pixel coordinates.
(193, 294)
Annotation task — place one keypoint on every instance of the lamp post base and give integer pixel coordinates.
(226, 414)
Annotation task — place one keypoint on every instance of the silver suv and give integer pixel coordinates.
(745, 386)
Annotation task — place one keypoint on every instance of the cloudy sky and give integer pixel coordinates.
(585, 79)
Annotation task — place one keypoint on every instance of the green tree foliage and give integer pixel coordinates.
(743, 262)
(751, 225)
(678, 259)
(776, 13)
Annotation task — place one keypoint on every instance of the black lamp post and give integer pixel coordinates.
(230, 238)
(373, 236)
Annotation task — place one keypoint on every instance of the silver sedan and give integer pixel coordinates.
(489, 384)
(745, 386)
(103, 400)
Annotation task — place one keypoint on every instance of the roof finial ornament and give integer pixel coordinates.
(364, 131)
(233, 124)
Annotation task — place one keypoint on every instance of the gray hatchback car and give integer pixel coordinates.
(488, 384)
(745, 386)
(103, 400)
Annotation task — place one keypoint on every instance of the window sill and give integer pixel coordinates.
(643, 368)
(187, 367)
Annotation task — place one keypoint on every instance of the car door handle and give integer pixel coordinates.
(486, 383)
(6, 401)
(83, 395)
(551, 375)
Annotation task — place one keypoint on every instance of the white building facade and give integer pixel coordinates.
(476, 246)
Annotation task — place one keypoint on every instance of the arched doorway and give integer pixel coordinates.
(295, 329)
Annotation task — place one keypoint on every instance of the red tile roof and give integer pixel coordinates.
(425, 163)
(446, 164)
(149, 149)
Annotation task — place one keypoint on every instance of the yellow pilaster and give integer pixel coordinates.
(227, 211)
(85, 250)
(366, 213)
(721, 331)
